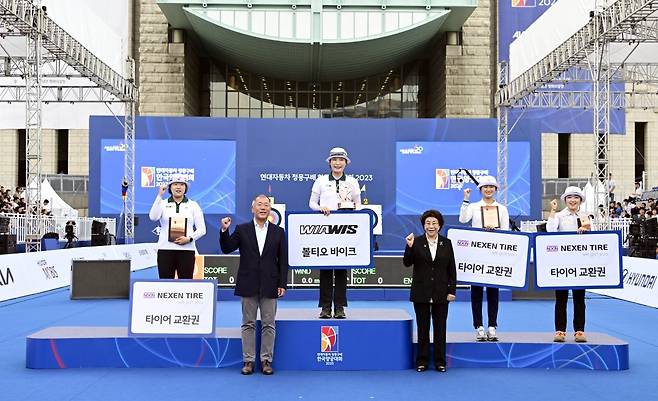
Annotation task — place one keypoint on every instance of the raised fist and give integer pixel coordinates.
(410, 240)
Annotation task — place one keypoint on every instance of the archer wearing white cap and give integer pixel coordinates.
(570, 218)
(332, 192)
(473, 212)
(181, 224)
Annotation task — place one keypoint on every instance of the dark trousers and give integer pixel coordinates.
(174, 261)
(439, 314)
(330, 291)
(492, 305)
(561, 300)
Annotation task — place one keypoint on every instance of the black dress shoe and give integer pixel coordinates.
(440, 368)
(421, 368)
(247, 368)
(339, 312)
(325, 313)
(266, 367)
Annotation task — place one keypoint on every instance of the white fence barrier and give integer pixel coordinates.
(57, 225)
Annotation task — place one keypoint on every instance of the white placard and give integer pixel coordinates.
(342, 239)
(173, 307)
(490, 258)
(640, 282)
(590, 260)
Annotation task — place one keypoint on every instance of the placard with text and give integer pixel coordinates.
(571, 260)
(172, 307)
(490, 258)
(343, 239)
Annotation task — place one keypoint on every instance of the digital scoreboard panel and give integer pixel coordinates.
(388, 272)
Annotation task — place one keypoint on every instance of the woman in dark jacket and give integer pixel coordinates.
(432, 288)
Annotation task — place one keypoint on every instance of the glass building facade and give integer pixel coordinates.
(395, 93)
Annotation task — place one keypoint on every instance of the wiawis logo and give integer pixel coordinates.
(314, 229)
(6, 277)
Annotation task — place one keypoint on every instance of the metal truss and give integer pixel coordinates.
(622, 16)
(58, 68)
(601, 76)
(34, 221)
(584, 57)
(60, 83)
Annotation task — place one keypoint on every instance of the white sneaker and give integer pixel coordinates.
(480, 334)
(491, 334)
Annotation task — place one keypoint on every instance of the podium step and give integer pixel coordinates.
(369, 339)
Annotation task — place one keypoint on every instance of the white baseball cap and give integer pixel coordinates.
(573, 191)
(338, 152)
(180, 178)
(488, 180)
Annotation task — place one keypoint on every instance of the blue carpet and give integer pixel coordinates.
(630, 322)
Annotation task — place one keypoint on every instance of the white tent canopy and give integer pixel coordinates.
(57, 205)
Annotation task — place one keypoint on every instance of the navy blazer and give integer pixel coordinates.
(431, 278)
(258, 275)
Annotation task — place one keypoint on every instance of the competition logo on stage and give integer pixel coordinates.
(148, 177)
(329, 335)
(329, 354)
(524, 3)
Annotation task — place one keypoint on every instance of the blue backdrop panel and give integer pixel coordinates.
(536, 350)
(157, 160)
(427, 175)
(514, 18)
(282, 157)
(110, 347)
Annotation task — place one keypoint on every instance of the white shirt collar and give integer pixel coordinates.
(267, 223)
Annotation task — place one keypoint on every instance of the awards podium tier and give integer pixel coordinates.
(369, 339)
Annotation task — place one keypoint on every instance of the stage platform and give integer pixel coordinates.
(369, 339)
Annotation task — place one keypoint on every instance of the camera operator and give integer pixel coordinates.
(69, 231)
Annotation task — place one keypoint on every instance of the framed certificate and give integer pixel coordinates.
(177, 227)
(490, 217)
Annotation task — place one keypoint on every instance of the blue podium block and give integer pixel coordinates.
(369, 339)
(110, 347)
(537, 350)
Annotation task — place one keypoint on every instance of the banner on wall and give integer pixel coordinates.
(31, 273)
(490, 258)
(582, 261)
(640, 279)
(340, 240)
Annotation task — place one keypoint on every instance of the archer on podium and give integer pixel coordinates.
(334, 191)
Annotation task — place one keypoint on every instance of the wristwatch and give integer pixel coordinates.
(191, 239)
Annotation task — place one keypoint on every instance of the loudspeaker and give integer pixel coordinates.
(7, 243)
(51, 235)
(97, 227)
(92, 279)
(4, 225)
(100, 239)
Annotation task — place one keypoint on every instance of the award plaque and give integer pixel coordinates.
(345, 196)
(583, 221)
(177, 228)
(490, 217)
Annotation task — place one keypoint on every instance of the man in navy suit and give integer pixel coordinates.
(262, 278)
